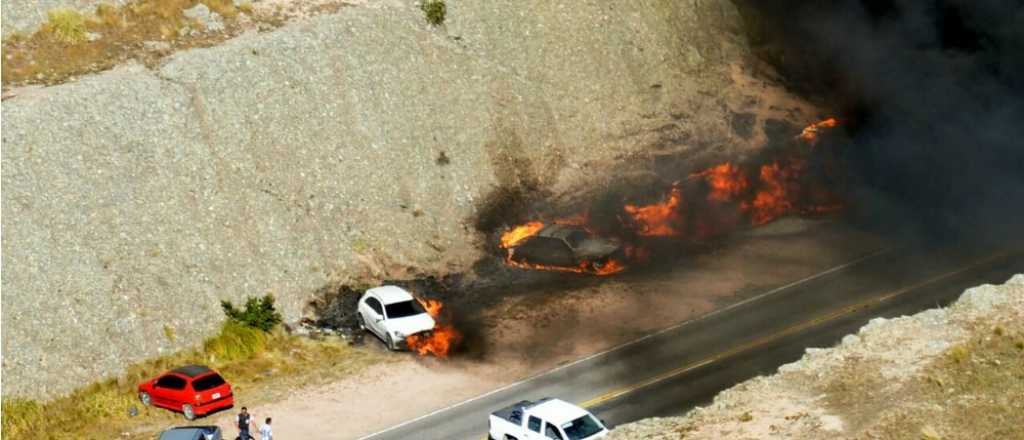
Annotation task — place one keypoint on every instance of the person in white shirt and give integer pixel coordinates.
(265, 431)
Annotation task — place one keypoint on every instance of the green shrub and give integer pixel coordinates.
(258, 313)
(434, 11)
(67, 25)
(236, 341)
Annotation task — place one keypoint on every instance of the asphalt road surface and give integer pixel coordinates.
(669, 372)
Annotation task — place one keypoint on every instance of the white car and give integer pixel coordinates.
(544, 419)
(391, 313)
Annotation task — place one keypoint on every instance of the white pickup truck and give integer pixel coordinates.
(543, 420)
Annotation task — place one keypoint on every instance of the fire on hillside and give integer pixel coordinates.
(706, 204)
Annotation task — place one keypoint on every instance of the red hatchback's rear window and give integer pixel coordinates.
(206, 382)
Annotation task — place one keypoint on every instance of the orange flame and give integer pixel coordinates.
(443, 339)
(659, 219)
(439, 343)
(773, 200)
(609, 268)
(519, 233)
(432, 306)
(612, 266)
(726, 182)
(810, 133)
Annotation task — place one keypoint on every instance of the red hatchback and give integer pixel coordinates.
(194, 390)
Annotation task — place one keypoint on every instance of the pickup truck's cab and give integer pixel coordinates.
(545, 419)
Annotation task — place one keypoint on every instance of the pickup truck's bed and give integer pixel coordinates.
(514, 412)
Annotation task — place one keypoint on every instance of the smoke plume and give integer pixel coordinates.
(934, 94)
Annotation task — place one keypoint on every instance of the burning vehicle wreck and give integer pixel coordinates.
(406, 322)
(392, 314)
(564, 246)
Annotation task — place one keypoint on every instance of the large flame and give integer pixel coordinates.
(717, 200)
(810, 133)
(661, 219)
(441, 341)
(726, 181)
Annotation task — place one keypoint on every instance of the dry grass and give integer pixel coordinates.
(59, 50)
(258, 365)
(65, 25)
(974, 391)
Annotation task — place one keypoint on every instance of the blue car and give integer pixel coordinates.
(192, 433)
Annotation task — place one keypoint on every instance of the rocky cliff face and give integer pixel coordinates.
(136, 199)
(954, 372)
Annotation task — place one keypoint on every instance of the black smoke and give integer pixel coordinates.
(933, 95)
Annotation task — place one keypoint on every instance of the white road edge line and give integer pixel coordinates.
(635, 341)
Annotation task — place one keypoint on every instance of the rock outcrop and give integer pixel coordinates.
(136, 199)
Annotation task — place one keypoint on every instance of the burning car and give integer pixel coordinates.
(391, 313)
(566, 246)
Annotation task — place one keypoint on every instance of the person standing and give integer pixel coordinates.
(244, 422)
(265, 431)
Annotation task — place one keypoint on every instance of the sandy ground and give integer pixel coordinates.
(534, 332)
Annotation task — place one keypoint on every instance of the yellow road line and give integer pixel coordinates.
(776, 336)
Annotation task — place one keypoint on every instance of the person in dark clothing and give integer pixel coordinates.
(244, 422)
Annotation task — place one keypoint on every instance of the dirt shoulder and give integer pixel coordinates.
(520, 338)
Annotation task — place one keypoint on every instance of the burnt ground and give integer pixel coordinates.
(498, 305)
(471, 296)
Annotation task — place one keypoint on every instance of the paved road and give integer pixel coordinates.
(673, 370)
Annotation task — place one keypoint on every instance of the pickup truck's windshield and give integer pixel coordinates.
(582, 428)
(403, 309)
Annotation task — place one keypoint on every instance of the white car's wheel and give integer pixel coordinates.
(359, 319)
(145, 398)
(189, 413)
(391, 344)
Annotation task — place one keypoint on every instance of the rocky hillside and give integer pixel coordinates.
(357, 143)
(952, 373)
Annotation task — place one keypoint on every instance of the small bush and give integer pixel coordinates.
(958, 354)
(67, 25)
(236, 341)
(434, 11)
(259, 313)
(169, 334)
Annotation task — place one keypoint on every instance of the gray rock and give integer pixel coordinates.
(211, 21)
(27, 15)
(157, 46)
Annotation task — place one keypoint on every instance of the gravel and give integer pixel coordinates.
(135, 200)
(210, 21)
